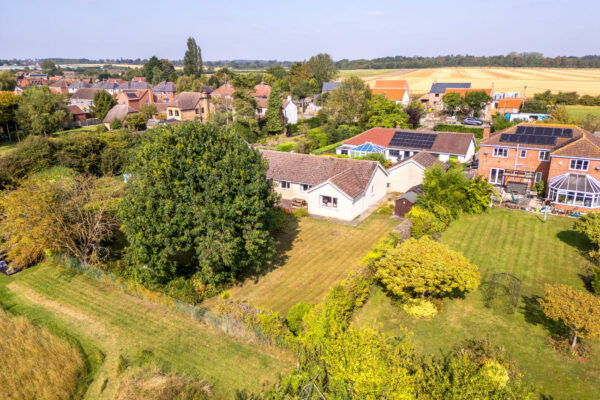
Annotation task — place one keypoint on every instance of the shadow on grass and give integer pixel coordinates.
(286, 239)
(532, 310)
(575, 239)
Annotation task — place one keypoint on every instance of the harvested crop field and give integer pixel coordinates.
(580, 80)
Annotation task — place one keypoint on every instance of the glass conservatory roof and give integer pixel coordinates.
(575, 183)
(369, 148)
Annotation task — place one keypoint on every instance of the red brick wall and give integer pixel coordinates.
(559, 166)
(529, 163)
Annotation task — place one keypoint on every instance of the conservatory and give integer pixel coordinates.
(579, 190)
(366, 148)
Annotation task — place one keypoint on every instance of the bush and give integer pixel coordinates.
(116, 124)
(295, 316)
(540, 188)
(279, 219)
(288, 147)
(326, 149)
(595, 281)
(385, 209)
(420, 308)
(34, 154)
(380, 158)
(82, 152)
(101, 128)
(300, 212)
(424, 222)
(477, 132)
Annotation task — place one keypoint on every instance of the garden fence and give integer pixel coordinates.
(224, 323)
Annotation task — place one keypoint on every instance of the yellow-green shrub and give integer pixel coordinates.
(420, 308)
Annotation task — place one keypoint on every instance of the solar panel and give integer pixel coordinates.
(544, 131)
(528, 139)
(520, 129)
(413, 140)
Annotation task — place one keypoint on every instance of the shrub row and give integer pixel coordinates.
(478, 132)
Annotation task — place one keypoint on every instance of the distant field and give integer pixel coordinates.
(364, 72)
(314, 255)
(583, 81)
(579, 112)
(103, 317)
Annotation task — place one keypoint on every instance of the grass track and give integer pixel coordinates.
(314, 255)
(118, 323)
(537, 253)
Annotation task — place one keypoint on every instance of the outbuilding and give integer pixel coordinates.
(405, 203)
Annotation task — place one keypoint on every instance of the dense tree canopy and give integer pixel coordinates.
(348, 103)
(40, 111)
(274, 115)
(579, 311)
(7, 81)
(476, 101)
(8, 108)
(384, 113)
(103, 102)
(199, 204)
(322, 68)
(192, 61)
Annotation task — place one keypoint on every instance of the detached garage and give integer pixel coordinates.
(410, 171)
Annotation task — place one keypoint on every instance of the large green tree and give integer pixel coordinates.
(476, 101)
(8, 107)
(192, 61)
(199, 204)
(384, 113)
(103, 102)
(40, 111)
(322, 68)
(274, 115)
(453, 102)
(245, 123)
(150, 68)
(7, 81)
(348, 104)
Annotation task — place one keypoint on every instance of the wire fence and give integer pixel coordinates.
(221, 322)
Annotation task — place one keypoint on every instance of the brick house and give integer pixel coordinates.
(509, 105)
(164, 92)
(188, 106)
(565, 157)
(61, 87)
(434, 99)
(84, 98)
(135, 98)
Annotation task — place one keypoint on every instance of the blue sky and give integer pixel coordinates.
(286, 30)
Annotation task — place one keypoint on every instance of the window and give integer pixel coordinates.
(496, 176)
(544, 156)
(344, 152)
(285, 185)
(305, 187)
(394, 153)
(579, 165)
(176, 113)
(501, 152)
(523, 154)
(170, 113)
(538, 177)
(329, 202)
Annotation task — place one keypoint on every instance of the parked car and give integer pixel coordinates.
(472, 121)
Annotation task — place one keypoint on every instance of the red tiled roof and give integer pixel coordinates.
(75, 110)
(514, 102)
(378, 136)
(391, 84)
(225, 89)
(262, 90)
(390, 94)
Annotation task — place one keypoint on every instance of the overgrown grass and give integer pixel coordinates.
(7, 147)
(578, 113)
(537, 253)
(313, 256)
(121, 325)
(35, 364)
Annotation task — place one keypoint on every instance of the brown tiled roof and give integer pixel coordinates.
(494, 138)
(75, 110)
(451, 143)
(225, 89)
(85, 93)
(262, 90)
(426, 160)
(586, 146)
(119, 112)
(61, 83)
(262, 103)
(349, 175)
(186, 100)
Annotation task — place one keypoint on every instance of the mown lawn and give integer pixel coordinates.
(537, 253)
(313, 256)
(578, 113)
(101, 317)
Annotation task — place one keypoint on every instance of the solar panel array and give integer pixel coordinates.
(544, 131)
(412, 140)
(543, 135)
(528, 139)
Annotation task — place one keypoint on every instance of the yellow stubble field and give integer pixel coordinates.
(580, 80)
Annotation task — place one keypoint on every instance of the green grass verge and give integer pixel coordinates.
(313, 256)
(578, 113)
(103, 317)
(537, 253)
